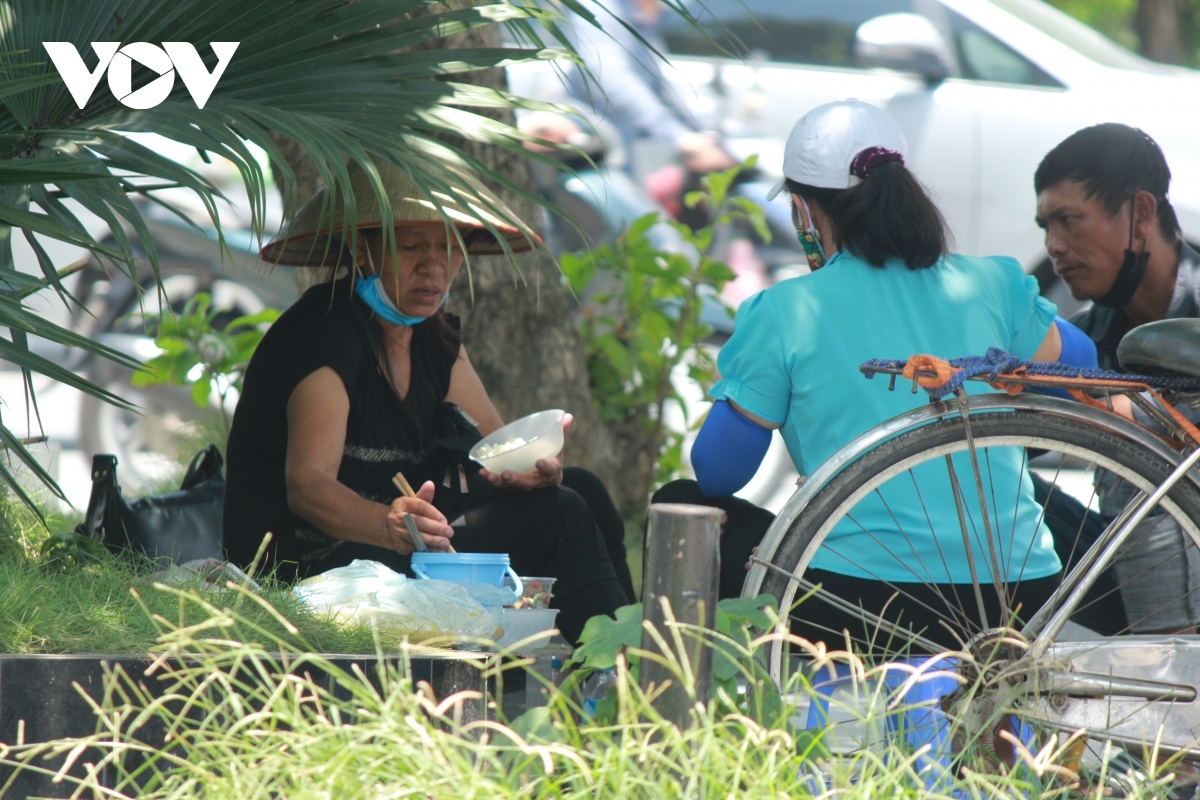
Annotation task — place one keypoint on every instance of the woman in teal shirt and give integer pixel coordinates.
(882, 286)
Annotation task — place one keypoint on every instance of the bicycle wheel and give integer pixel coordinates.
(1100, 471)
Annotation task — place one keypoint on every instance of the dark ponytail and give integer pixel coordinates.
(889, 215)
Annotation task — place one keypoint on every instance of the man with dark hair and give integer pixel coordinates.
(1112, 234)
(1113, 237)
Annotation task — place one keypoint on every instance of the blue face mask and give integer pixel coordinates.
(368, 291)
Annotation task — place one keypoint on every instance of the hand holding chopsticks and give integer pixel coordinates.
(401, 483)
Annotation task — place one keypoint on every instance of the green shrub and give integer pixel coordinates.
(650, 323)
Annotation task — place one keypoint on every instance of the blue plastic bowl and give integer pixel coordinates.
(489, 568)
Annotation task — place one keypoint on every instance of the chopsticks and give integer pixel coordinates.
(401, 483)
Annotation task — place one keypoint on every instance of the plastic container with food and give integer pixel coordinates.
(536, 592)
(519, 445)
(533, 624)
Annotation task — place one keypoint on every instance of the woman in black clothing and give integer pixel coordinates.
(359, 380)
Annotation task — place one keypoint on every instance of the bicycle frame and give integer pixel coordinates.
(1069, 685)
(1046, 624)
(1066, 409)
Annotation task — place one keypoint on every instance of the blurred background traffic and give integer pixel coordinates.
(982, 88)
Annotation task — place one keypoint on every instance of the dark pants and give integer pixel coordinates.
(1075, 530)
(919, 606)
(612, 526)
(571, 532)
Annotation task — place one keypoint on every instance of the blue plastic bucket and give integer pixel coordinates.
(489, 568)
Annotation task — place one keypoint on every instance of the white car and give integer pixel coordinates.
(982, 88)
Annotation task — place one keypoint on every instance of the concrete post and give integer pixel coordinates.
(682, 567)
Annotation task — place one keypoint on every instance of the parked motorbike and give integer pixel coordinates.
(117, 310)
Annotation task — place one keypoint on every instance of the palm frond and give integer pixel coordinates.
(342, 79)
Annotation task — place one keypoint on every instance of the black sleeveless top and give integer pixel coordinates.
(329, 327)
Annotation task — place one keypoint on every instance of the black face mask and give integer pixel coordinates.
(1133, 269)
(1129, 278)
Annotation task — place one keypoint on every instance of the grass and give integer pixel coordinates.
(246, 722)
(85, 602)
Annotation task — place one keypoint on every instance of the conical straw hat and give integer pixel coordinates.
(313, 237)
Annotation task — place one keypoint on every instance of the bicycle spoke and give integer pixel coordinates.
(962, 522)
(1133, 542)
(899, 590)
(856, 610)
(888, 583)
(1012, 536)
(901, 633)
(933, 584)
(997, 578)
(995, 523)
(1133, 624)
(937, 542)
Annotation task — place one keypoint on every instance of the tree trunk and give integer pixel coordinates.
(519, 328)
(308, 180)
(1158, 25)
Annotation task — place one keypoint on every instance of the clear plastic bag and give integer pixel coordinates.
(491, 597)
(209, 573)
(419, 610)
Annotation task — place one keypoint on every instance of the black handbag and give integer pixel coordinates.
(177, 526)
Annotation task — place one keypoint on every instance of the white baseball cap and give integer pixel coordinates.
(822, 148)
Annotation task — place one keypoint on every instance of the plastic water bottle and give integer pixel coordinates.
(556, 671)
(596, 688)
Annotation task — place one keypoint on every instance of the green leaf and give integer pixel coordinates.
(16, 316)
(202, 389)
(603, 638)
(537, 727)
(606, 380)
(750, 610)
(752, 212)
(578, 270)
(23, 358)
(640, 227)
(171, 343)
(734, 616)
(617, 354)
(716, 272)
(656, 325)
(181, 368)
(810, 745)
(264, 317)
(717, 184)
(14, 447)
(154, 372)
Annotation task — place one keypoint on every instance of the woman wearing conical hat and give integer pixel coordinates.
(365, 376)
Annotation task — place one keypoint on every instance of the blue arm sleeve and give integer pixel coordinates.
(1078, 350)
(728, 450)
